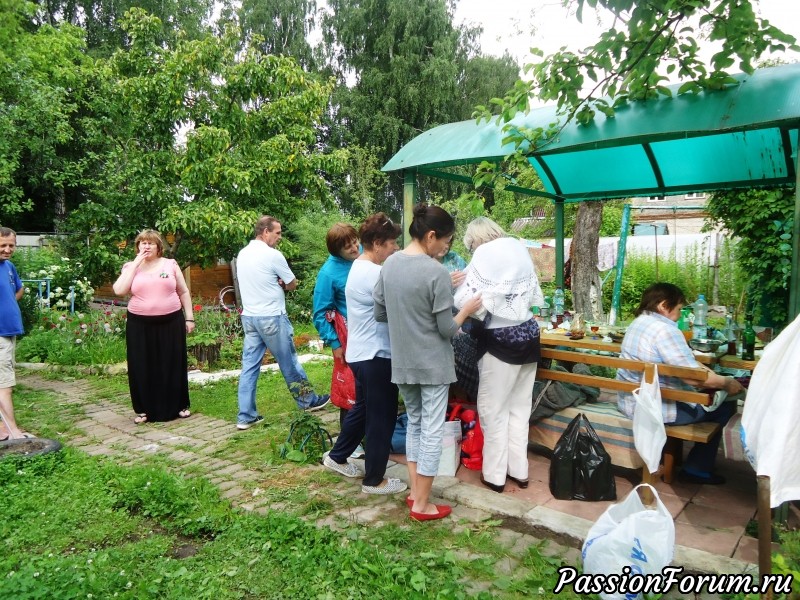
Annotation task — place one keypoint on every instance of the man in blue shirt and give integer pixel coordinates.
(11, 291)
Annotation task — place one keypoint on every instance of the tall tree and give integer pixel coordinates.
(278, 27)
(647, 43)
(204, 139)
(102, 19)
(402, 68)
(45, 78)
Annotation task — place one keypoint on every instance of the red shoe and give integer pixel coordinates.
(409, 501)
(442, 510)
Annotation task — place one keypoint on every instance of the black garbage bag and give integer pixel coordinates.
(581, 468)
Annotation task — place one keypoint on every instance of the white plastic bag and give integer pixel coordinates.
(631, 535)
(649, 435)
(451, 448)
(770, 433)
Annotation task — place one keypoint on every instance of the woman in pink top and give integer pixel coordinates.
(159, 317)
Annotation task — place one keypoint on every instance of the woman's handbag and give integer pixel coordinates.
(343, 383)
(630, 535)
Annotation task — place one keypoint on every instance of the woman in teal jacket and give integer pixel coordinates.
(342, 242)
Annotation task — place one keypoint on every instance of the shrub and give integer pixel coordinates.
(691, 274)
(91, 338)
(63, 274)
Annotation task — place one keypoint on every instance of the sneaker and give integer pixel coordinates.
(358, 452)
(392, 486)
(249, 424)
(320, 402)
(347, 469)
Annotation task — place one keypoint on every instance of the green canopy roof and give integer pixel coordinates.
(743, 136)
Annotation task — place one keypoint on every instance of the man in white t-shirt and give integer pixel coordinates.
(264, 276)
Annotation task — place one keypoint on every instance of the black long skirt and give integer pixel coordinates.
(157, 366)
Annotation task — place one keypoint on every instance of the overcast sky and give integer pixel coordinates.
(516, 25)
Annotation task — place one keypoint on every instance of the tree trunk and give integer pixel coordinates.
(586, 296)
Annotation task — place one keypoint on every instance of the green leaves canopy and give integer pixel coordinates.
(201, 140)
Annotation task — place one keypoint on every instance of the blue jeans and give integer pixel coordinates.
(702, 457)
(276, 335)
(426, 406)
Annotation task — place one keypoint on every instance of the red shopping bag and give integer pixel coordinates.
(471, 437)
(343, 383)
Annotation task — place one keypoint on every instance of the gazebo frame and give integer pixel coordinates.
(744, 136)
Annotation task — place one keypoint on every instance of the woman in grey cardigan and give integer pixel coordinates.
(414, 295)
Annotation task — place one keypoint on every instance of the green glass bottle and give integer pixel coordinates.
(748, 339)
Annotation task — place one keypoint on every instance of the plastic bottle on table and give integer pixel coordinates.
(558, 304)
(701, 318)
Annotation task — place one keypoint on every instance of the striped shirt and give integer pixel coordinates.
(654, 338)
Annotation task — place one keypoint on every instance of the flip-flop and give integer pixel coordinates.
(22, 435)
(185, 413)
(140, 419)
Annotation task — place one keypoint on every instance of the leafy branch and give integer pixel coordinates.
(626, 64)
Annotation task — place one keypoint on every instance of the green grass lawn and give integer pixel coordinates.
(80, 527)
(75, 526)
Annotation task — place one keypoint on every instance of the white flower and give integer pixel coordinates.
(117, 330)
(78, 341)
(62, 318)
(36, 574)
(84, 326)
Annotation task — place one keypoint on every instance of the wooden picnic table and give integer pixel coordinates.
(732, 361)
(598, 345)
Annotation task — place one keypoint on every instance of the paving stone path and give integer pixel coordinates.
(192, 446)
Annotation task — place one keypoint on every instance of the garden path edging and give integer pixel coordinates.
(195, 376)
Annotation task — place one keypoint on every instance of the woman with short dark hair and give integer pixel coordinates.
(342, 243)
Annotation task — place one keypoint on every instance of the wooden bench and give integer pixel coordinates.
(614, 428)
